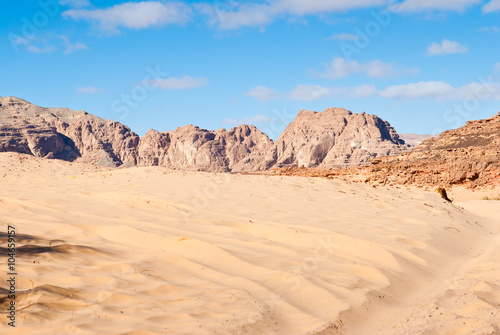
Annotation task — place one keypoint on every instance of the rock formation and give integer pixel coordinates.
(66, 134)
(192, 148)
(335, 137)
(468, 155)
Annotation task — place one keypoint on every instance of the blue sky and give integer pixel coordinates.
(424, 66)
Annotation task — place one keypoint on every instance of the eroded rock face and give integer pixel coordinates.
(30, 135)
(334, 137)
(192, 148)
(469, 155)
(65, 134)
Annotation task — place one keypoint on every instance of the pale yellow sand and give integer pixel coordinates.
(151, 251)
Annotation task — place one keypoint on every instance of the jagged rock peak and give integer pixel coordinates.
(335, 137)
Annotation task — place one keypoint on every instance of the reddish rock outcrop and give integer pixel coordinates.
(469, 155)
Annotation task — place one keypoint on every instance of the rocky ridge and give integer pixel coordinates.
(335, 137)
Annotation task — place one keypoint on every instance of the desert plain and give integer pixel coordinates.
(148, 250)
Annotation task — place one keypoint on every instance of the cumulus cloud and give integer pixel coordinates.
(446, 47)
(430, 5)
(254, 119)
(237, 15)
(492, 6)
(262, 93)
(135, 15)
(87, 90)
(341, 68)
(181, 83)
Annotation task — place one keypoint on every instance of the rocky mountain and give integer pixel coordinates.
(65, 134)
(335, 137)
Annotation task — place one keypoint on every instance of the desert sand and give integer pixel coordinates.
(153, 251)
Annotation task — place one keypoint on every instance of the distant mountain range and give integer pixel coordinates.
(333, 138)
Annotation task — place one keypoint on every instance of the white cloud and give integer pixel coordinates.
(47, 49)
(429, 5)
(309, 92)
(427, 89)
(182, 83)
(343, 37)
(136, 15)
(341, 68)
(238, 15)
(262, 93)
(20, 40)
(492, 29)
(440, 90)
(433, 90)
(497, 68)
(446, 47)
(315, 92)
(75, 3)
(492, 6)
(71, 47)
(254, 119)
(87, 90)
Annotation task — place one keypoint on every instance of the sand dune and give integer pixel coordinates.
(153, 251)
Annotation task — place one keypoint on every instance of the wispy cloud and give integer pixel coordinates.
(341, 68)
(343, 37)
(70, 47)
(446, 47)
(424, 90)
(135, 15)
(492, 6)
(254, 119)
(262, 93)
(48, 43)
(492, 29)
(251, 14)
(408, 6)
(315, 92)
(181, 83)
(87, 90)
(34, 46)
(309, 92)
(439, 90)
